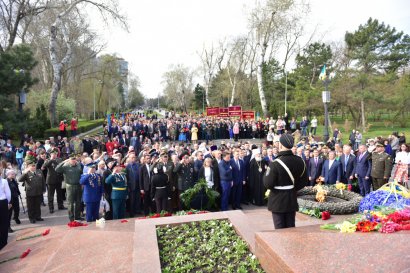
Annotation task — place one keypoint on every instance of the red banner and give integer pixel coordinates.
(212, 111)
(235, 111)
(248, 114)
(223, 112)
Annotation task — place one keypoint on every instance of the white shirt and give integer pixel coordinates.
(404, 157)
(331, 163)
(5, 190)
(313, 123)
(208, 177)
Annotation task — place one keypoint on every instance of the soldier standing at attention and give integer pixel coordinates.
(286, 175)
(185, 171)
(119, 190)
(381, 167)
(35, 187)
(93, 190)
(54, 181)
(72, 172)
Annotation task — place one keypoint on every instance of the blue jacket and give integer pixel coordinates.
(225, 171)
(349, 167)
(363, 166)
(238, 173)
(119, 186)
(334, 173)
(132, 171)
(93, 187)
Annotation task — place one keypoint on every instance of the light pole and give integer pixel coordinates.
(326, 101)
(94, 97)
(203, 102)
(286, 90)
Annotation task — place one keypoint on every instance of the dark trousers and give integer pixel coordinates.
(91, 210)
(364, 185)
(161, 204)
(55, 188)
(134, 202)
(15, 207)
(226, 189)
(33, 207)
(147, 202)
(4, 224)
(118, 208)
(74, 201)
(236, 195)
(284, 220)
(378, 183)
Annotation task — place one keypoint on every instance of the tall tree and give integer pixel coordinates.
(60, 56)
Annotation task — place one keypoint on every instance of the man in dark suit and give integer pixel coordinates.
(238, 175)
(314, 167)
(362, 170)
(332, 170)
(348, 161)
(145, 183)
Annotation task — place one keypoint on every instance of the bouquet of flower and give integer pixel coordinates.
(382, 219)
(383, 198)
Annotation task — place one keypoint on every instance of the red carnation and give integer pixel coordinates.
(325, 215)
(46, 232)
(25, 253)
(189, 212)
(349, 187)
(124, 221)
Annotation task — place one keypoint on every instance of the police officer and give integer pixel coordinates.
(72, 171)
(286, 175)
(381, 167)
(93, 190)
(35, 185)
(185, 171)
(54, 181)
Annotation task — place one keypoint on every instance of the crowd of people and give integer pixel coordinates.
(141, 166)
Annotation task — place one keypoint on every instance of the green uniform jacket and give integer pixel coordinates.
(185, 176)
(34, 183)
(72, 174)
(381, 165)
(53, 177)
(119, 185)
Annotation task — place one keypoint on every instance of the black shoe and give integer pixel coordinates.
(17, 220)
(10, 230)
(51, 210)
(39, 219)
(239, 207)
(62, 208)
(44, 204)
(245, 203)
(32, 221)
(80, 219)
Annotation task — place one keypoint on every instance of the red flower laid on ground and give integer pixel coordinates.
(25, 253)
(366, 226)
(325, 215)
(46, 232)
(124, 221)
(76, 224)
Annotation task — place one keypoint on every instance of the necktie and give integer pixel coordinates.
(346, 161)
(316, 161)
(360, 157)
(239, 167)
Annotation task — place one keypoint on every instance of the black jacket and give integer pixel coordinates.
(281, 201)
(144, 178)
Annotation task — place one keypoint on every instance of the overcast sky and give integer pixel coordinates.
(165, 32)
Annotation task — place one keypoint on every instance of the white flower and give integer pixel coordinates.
(230, 224)
(253, 257)
(225, 249)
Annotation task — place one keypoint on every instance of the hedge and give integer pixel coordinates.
(83, 126)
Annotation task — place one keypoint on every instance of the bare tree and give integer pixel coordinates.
(236, 63)
(60, 57)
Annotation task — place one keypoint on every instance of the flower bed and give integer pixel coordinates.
(168, 214)
(204, 246)
(349, 200)
(382, 219)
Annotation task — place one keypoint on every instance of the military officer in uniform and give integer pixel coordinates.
(54, 181)
(35, 185)
(185, 171)
(93, 191)
(284, 177)
(160, 184)
(381, 167)
(72, 171)
(119, 190)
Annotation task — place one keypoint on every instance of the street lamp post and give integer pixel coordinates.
(94, 97)
(203, 102)
(286, 90)
(326, 101)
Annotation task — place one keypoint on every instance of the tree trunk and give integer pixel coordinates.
(363, 115)
(259, 78)
(206, 95)
(233, 93)
(55, 88)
